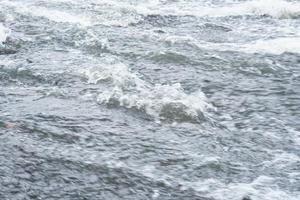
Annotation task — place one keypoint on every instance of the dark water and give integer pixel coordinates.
(165, 99)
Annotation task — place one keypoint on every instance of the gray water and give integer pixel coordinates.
(164, 99)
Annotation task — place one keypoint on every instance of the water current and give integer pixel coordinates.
(150, 99)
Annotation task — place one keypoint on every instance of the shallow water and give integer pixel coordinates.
(161, 99)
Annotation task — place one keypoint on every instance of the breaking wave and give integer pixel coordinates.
(163, 102)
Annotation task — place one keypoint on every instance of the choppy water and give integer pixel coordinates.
(150, 99)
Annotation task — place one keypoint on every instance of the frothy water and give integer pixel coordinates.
(126, 99)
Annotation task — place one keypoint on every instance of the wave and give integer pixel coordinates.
(110, 13)
(4, 33)
(163, 102)
(52, 15)
(103, 15)
(260, 187)
(274, 8)
(170, 57)
(255, 190)
(274, 46)
(58, 16)
(106, 15)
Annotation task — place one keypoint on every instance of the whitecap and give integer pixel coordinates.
(163, 102)
(274, 8)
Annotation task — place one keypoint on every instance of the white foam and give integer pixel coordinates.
(53, 15)
(112, 13)
(274, 8)
(4, 33)
(59, 16)
(274, 46)
(263, 187)
(260, 188)
(108, 14)
(163, 102)
(89, 39)
(269, 46)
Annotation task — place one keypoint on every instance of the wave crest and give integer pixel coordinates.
(274, 8)
(163, 102)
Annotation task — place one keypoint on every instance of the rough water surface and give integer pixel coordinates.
(150, 99)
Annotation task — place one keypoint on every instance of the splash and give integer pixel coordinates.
(4, 33)
(163, 102)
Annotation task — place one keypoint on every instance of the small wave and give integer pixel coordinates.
(170, 57)
(52, 15)
(10, 74)
(274, 46)
(274, 8)
(103, 14)
(163, 102)
(4, 33)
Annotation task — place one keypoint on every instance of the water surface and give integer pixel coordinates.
(150, 99)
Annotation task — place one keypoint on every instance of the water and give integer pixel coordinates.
(161, 99)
